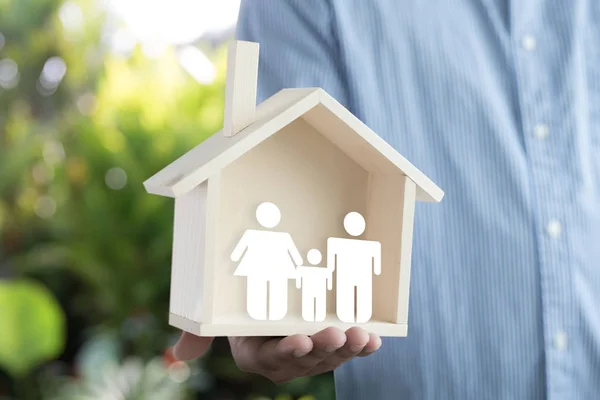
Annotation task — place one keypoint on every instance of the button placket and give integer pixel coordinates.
(538, 116)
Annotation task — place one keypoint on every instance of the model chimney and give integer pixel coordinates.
(240, 87)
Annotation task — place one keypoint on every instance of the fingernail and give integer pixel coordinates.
(379, 343)
(175, 351)
(299, 353)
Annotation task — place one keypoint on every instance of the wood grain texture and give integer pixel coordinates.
(241, 326)
(204, 311)
(217, 151)
(189, 236)
(305, 152)
(312, 182)
(314, 106)
(367, 148)
(408, 204)
(384, 222)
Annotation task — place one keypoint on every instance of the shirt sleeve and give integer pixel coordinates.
(298, 46)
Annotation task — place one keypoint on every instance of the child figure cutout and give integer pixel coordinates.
(313, 281)
(354, 261)
(269, 261)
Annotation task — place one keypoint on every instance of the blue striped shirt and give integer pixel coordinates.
(498, 101)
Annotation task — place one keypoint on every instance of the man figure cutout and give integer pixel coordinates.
(354, 261)
(269, 261)
(313, 280)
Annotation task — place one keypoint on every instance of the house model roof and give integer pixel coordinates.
(318, 109)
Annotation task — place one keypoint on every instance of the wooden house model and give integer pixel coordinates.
(304, 152)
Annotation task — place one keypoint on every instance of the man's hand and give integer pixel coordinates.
(284, 359)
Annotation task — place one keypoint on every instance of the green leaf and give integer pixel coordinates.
(33, 326)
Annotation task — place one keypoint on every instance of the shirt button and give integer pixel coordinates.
(541, 131)
(560, 341)
(528, 42)
(554, 228)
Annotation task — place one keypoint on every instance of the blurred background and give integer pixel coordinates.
(95, 97)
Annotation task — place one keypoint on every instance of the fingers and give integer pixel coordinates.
(358, 343)
(356, 340)
(371, 347)
(283, 359)
(296, 345)
(277, 354)
(264, 355)
(325, 343)
(191, 346)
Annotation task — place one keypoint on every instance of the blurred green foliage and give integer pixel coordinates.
(84, 250)
(32, 326)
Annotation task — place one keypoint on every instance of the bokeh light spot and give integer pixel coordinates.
(42, 174)
(45, 207)
(116, 178)
(9, 73)
(86, 103)
(179, 372)
(53, 72)
(123, 42)
(77, 170)
(71, 16)
(53, 152)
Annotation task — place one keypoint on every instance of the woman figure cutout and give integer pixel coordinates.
(313, 279)
(270, 259)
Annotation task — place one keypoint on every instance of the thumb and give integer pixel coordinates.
(191, 346)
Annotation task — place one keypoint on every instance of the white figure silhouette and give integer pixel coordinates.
(354, 261)
(313, 281)
(269, 261)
